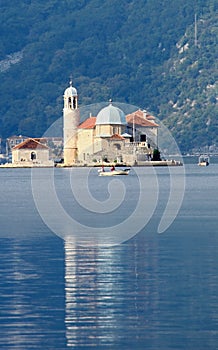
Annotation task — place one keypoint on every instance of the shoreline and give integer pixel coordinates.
(162, 163)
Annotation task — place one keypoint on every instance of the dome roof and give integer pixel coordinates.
(111, 115)
(70, 91)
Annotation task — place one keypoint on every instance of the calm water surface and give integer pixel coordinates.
(155, 291)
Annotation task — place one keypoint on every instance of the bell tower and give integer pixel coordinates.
(71, 119)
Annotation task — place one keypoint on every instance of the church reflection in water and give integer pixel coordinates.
(102, 294)
(90, 295)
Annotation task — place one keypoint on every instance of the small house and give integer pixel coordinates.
(31, 153)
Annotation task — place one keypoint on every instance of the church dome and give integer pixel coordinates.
(70, 91)
(111, 115)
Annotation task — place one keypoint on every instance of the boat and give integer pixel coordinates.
(203, 160)
(113, 172)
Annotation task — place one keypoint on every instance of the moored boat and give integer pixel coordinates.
(114, 172)
(203, 160)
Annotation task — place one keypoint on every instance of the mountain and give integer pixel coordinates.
(156, 55)
(190, 108)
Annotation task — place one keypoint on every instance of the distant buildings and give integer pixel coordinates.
(13, 141)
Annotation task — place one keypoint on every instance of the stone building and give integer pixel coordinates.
(111, 136)
(30, 153)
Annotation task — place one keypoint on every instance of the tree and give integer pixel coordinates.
(156, 155)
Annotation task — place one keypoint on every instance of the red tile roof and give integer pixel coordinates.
(41, 140)
(140, 119)
(144, 114)
(89, 123)
(150, 117)
(117, 137)
(30, 144)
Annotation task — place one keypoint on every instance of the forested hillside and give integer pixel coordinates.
(152, 54)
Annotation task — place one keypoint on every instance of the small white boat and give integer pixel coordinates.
(114, 172)
(203, 160)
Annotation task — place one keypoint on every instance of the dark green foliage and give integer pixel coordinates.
(125, 50)
(156, 155)
(195, 71)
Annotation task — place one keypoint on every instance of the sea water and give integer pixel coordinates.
(152, 291)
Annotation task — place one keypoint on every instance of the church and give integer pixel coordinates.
(110, 136)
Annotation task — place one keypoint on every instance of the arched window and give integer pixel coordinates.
(33, 155)
(69, 102)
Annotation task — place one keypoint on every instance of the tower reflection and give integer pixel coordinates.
(92, 290)
(106, 303)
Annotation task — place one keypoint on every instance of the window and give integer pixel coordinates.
(69, 103)
(33, 155)
(117, 146)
